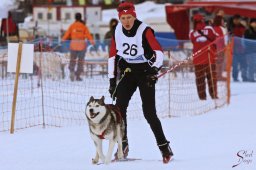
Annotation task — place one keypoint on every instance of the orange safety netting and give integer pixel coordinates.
(49, 98)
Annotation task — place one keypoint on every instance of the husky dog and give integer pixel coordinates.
(105, 122)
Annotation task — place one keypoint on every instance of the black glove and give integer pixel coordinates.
(153, 70)
(152, 76)
(112, 88)
(151, 79)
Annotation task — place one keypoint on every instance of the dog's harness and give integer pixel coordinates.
(117, 111)
(118, 117)
(102, 135)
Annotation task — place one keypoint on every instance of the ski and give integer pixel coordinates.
(121, 160)
(137, 159)
(126, 159)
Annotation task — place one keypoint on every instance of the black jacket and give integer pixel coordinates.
(250, 40)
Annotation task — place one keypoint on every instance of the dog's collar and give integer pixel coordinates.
(101, 136)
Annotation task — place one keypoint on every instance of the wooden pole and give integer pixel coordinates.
(41, 80)
(229, 55)
(16, 87)
(214, 85)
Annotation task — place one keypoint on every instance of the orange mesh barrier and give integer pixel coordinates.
(49, 98)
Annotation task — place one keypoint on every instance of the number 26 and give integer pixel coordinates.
(130, 50)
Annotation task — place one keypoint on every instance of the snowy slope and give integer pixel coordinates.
(210, 141)
(144, 11)
(5, 6)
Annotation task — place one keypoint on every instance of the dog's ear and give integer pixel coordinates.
(101, 101)
(91, 98)
(103, 98)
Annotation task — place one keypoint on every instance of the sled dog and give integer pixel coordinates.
(105, 122)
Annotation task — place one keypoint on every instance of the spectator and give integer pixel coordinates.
(9, 29)
(220, 12)
(77, 32)
(237, 30)
(133, 47)
(112, 26)
(202, 36)
(250, 33)
(218, 26)
(209, 22)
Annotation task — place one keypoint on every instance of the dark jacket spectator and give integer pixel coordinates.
(235, 27)
(250, 33)
(250, 41)
(112, 26)
(237, 30)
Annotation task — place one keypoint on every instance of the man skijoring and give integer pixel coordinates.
(135, 50)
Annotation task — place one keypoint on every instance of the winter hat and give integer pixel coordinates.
(78, 16)
(252, 20)
(237, 16)
(126, 8)
(198, 17)
(198, 22)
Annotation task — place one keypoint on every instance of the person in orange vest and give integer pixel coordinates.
(78, 33)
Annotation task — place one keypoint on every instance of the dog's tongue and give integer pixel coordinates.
(91, 114)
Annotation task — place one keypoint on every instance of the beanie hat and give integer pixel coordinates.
(237, 16)
(78, 16)
(126, 8)
(198, 17)
(198, 22)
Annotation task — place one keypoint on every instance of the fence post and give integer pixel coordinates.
(214, 85)
(229, 54)
(16, 87)
(41, 79)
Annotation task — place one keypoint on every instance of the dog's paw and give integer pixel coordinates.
(107, 161)
(120, 155)
(103, 159)
(95, 161)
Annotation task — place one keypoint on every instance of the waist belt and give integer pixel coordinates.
(131, 70)
(136, 59)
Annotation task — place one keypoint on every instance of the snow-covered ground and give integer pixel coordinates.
(216, 140)
(5, 6)
(144, 11)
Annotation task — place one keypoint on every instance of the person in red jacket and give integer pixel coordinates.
(9, 28)
(218, 26)
(204, 56)
(135, 50)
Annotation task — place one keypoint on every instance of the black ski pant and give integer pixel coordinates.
(80, 63)
(126, 88)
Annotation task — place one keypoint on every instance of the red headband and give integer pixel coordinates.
(126, 8)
